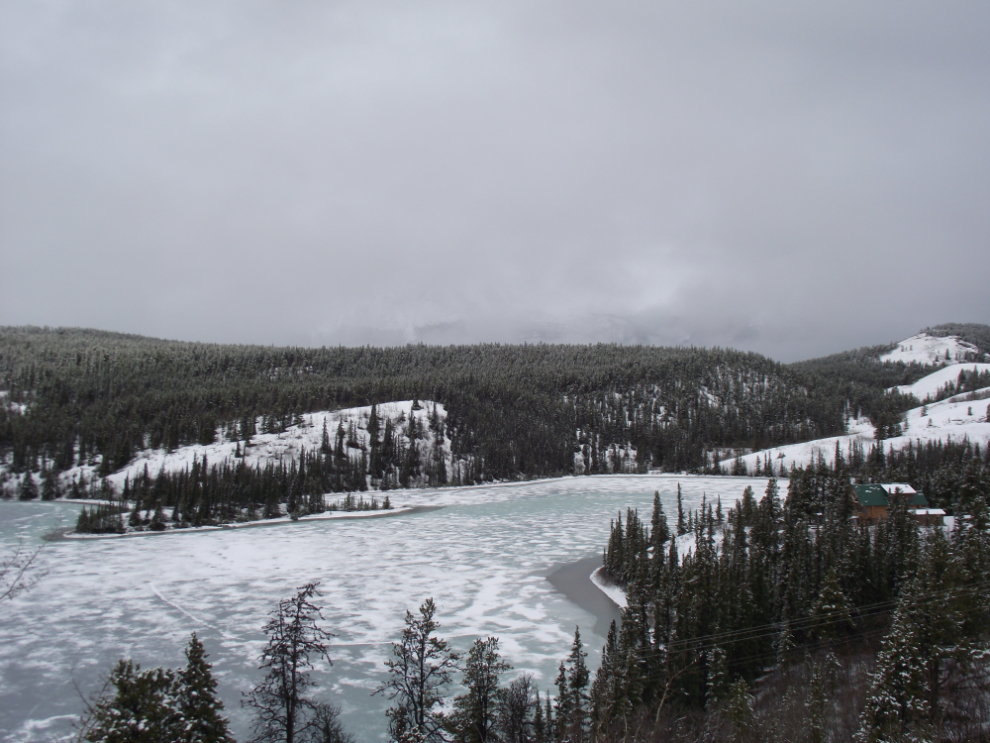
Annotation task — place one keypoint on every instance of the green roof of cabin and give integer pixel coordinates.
(875, 495)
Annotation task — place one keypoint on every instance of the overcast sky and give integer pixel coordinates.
(787, 177)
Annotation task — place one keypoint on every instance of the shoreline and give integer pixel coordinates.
(67, 534)
(574, 581)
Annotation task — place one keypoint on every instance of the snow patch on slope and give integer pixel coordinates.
(961, 417)
(275, 448)
(928, 349)
(930, 385)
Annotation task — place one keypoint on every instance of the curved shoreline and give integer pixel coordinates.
(574, 581)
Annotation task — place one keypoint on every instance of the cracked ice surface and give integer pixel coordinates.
(483, 557)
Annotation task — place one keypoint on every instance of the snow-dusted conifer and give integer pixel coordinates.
(282, 707)
(420, 670)
(141, 708)
(475, 718)
(897, 703)
(199, 705)
(831, 616)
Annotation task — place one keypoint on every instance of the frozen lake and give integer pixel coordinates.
(483, 557)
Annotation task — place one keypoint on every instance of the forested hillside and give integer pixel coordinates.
(74, 396)
(783, 621)
(974, 333)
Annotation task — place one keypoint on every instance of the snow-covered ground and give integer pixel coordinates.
(929, 349)
(953, 419)
(483, 557)
(265, 448)
(614, 592)
(928, 387)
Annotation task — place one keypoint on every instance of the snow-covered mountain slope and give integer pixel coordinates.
(929, 349)
(929, 386)
(273, 448)
(959, 417)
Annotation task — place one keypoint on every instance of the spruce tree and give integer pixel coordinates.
(420, 671)
(198, 702)
(659, 533)
(283, 709)
(831, 615)
(141, 708)
(682, 528)
(51, 488)
(475, 718)
(29, 488)
(897, 704)
(563, 705)
(573, 699)
(739, 713)
(540, 734)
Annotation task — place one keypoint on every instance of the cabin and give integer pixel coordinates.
(929, 516)
(873, 503)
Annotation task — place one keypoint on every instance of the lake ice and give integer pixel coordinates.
(483, 557)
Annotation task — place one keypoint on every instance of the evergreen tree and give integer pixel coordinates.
(421, 668)
(283, 710)
(739, 713)
(681, 524)
(475, 718)
(897, 705)
(198, 702)
(158, 705)
(540, 734)
(142, 708)
(659, 536)
(50, 486)
(747, 508)
(831, 616)
(573, 708)
(563, 705)
(29, 488)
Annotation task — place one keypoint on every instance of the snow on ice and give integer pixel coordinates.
(484, 558)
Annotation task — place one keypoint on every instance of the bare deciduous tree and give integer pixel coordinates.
(19, 570)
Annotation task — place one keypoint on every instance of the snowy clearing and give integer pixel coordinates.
(953, 419)
(275, 448)
(929, 386)
(929, 349)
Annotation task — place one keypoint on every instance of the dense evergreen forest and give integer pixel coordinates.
(82, 396)
(784, 620)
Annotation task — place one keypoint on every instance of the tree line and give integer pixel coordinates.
(950, 474)
(78, 397)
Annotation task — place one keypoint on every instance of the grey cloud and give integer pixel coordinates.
(773, 176)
